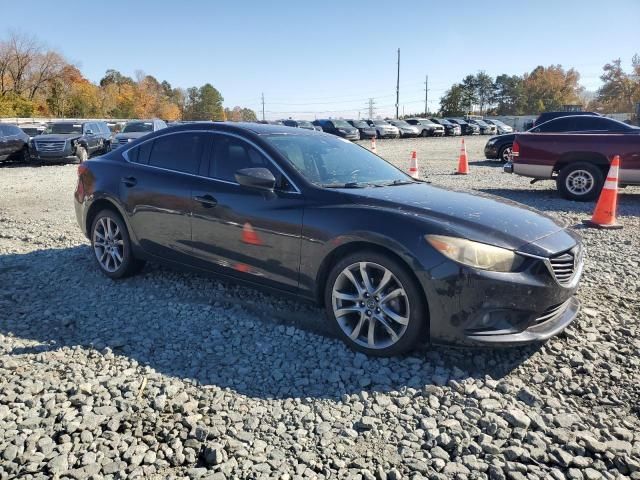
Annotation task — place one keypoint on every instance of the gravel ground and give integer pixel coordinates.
(174, 375)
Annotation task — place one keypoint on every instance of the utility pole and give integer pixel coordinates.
(426, 95)
(371, 108)
(263, 106)
(398, 86)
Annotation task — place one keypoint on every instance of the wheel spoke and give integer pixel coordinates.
(384, 281)
(99, 242)
(345, 296)
(99, 235)
(346, 310)
(391, 295)
(365, 277)
(347, 273)
(392, 333)
(356, 330)
(116, 255)
(395, 316)
(371, 339)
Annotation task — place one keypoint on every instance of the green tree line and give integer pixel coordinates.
(543, 89)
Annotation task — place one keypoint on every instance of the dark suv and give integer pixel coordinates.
(14, 143)
(338, 127)
(136, 129)
(71, 141)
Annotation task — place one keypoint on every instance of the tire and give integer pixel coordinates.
(119, 244)
(504, 155)
(82, 154)
(580, 181)
(366, 305)
(424, 133)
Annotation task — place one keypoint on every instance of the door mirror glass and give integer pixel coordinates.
(260, 178)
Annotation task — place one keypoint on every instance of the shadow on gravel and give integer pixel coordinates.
(201, 330)
(550, 200)
(486, 163)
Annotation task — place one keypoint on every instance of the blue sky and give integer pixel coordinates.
(326, 58)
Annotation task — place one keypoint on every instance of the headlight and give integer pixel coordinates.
(475, 254)
(492, 141)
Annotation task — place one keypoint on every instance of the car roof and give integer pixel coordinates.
(256, 128)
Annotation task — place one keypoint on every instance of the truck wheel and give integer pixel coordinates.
(81, 153)
(580, 181)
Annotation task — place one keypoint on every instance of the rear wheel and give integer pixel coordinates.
(112, 246)
(374, 304)
(580, 181)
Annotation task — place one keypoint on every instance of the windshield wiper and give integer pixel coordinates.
(343, 185)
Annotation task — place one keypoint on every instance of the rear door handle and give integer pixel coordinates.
(207, 201)
(129, 181)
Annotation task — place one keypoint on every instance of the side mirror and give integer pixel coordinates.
(89, 131)
(259, 178)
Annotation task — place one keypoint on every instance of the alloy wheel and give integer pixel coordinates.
(108, 244)
(506, 154)
(370, 305)
(579, 182)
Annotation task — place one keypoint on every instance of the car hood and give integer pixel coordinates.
(58, 136)
(131, 135)
(473, 215)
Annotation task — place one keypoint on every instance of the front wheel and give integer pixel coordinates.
(424, 133)
(82, 154)
(505, 153)
(374, 304)
(112, 246)
(580, 181)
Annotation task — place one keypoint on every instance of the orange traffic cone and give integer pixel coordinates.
(463, 161)
(604, 216)
(249, 235)
(413, 165)
(373, 145)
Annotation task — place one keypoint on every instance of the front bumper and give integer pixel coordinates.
(389, 134)
(57, 158)
(468, 306)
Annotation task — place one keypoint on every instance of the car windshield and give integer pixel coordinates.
(341, 124)
(400, 123)
(135, 127)
(304, 123)
(380, 122)
(333, 162)
(459, 121)
(441, 121)
(482, 123)
(498, 123)
(31, 131)
(360, 124)
(64, 128)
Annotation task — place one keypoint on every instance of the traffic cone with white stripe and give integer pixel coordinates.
(373, 145)
(463, 160)
(604, 216)
(413, 165)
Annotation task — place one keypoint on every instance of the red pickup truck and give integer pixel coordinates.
(578, 162)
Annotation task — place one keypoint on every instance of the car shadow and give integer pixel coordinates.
(486, 163)
(550, 200)
(199, 329)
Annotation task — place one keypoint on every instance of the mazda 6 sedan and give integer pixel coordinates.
(394, 261)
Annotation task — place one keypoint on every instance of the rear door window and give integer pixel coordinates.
(180, 152)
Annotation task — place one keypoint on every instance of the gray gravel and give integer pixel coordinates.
(173, 375)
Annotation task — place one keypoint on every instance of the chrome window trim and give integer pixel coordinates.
(125, 154)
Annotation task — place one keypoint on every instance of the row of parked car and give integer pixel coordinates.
(411, 127)
(65, 141)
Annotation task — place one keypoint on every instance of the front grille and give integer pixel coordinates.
(123, 141)
(563, 267)
(50, 146)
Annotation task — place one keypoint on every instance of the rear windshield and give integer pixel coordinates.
(134, 127)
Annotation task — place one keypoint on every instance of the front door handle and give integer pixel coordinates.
(129, 181)
(207, 201)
